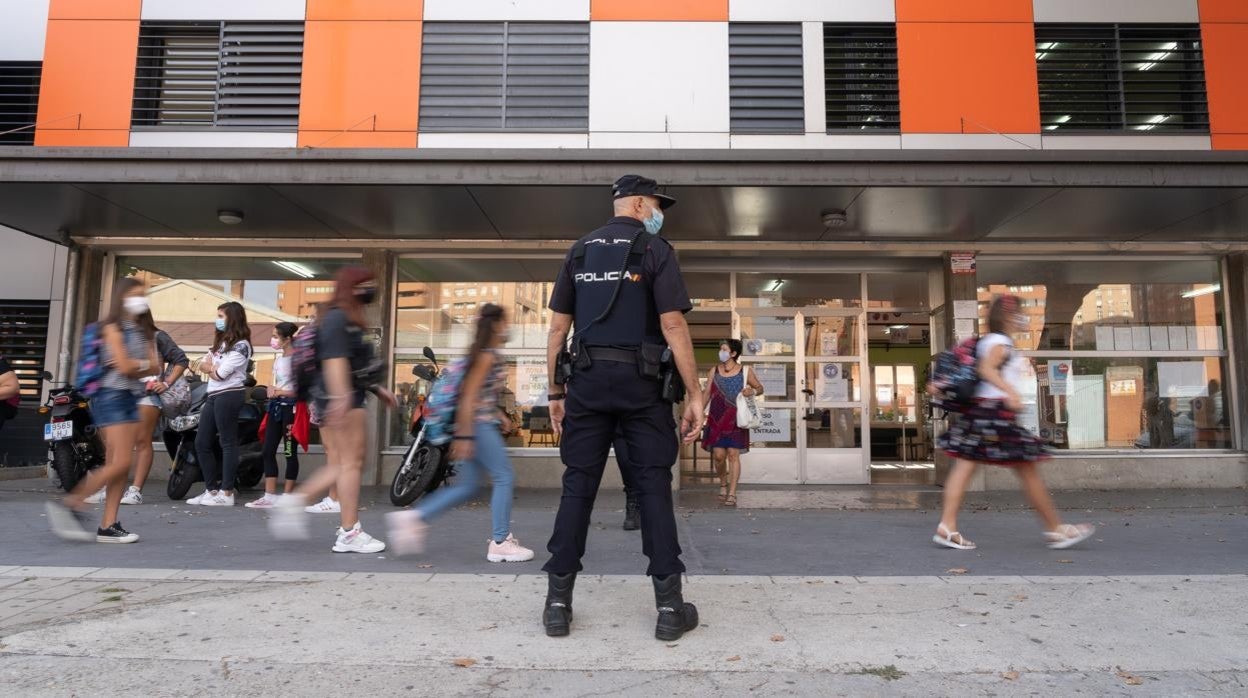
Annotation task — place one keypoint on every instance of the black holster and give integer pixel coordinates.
(673, 387)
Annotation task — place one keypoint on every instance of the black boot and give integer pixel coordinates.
(675, 616)
(557, 617)
(632, 513)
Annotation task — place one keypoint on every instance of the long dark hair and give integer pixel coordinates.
(116, 305)
(487, 324)
(236, 328)
(999, 313)
(147, 322)
(344, 298)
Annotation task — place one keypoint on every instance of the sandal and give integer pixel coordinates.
(730, 501)
(951, 539)
(723, 493)
(1068, 535)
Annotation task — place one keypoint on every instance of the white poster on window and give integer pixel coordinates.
(965, 309)
(1178, 338)
(776, 427)
(774, 379)
(963, 329)
(831, 384)
(531, 382)
(1181, 379)
(829, 343)
(1140, 340)
(1059, 377)
(1159, 338)
(1122, 338)
(1104, 338)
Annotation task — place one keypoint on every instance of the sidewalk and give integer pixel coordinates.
(168, 632)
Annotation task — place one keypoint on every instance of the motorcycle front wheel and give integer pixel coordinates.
(416, 475)
(183, 475)
(65, 464)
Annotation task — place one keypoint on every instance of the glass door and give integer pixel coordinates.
(811, 362)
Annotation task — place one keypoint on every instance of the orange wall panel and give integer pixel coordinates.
(659, 10)
(95, 9)
(366, 9)
(964, 10)
(112, 138)
(88, 80)
(1224, 10)
(360, 76)
(1226, 61)
(984, 74)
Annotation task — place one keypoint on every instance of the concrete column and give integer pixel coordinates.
(957, 287)
(1237, 309)
(380, 317)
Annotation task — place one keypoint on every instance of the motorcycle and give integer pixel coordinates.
(179, 436)
(74, 444)
(425, 466)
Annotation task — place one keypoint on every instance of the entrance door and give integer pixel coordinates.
(811, 362)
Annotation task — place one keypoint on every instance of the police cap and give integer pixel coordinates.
(636, 185)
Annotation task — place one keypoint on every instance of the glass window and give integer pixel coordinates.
(799, 290)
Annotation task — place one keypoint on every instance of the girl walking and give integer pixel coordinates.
(349, 371)
(281, 418)
(477, 447)
(723, 438)
(173, 364)
(226, 366)
(987, 431)
(127, 352)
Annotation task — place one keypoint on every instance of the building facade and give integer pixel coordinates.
(857, 178)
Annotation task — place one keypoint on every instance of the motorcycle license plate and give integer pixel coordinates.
(58, 431)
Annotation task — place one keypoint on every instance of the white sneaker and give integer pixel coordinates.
(509, 550)
(132, 496)
(268, 501)
(205, 495)
(406, 531)
(357, 541)
(289, 520)
(97, 497)
(220, 500)
(325, 506)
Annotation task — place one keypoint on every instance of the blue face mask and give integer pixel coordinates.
(220, 324)
(654, 223)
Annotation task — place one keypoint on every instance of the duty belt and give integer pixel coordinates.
(623, 356)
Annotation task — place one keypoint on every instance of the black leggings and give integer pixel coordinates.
(281, 416)
(218, 422)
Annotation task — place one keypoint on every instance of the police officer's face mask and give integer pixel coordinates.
(655, 222)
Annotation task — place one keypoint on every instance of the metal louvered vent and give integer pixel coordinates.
(1106, 77)
(765, 84)
(860, 77)
(19, 101)
(219, 74)
(23, 340)
(495, 76)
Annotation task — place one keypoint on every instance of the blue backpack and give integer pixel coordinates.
(91, 367)
(955, 376)
(443, 401)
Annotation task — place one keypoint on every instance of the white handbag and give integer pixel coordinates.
(748, 416)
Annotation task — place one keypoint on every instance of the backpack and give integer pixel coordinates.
(91, 367)
(955, 376)
(304, 367)
(442, 402)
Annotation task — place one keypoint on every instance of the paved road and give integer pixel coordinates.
(1142, 533)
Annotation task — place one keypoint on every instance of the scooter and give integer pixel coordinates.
(425, 466)
(74, 444)
(179, 436)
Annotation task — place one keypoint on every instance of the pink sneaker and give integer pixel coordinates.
(407, 532)
(509, 550)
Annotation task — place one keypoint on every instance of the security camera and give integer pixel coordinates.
(834, 218)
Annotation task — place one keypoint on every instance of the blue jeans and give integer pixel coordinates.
(111, 406)
(489, 454)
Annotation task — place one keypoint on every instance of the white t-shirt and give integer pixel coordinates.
(283, 378)
(1012, 371)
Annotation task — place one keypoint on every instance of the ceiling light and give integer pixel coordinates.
(1196, 292)
(230, 217)
(295, 268)
(834, 218)
(775, 286)
(1156, 57)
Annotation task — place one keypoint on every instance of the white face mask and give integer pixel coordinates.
(724, 356)
(135, 305)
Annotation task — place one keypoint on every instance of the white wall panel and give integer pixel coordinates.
(659, 77)
(22, 31)
(816, 141)
(970, 141)
(554, 141)
(811, 10)
(813, 79)
(1127, 142)
(224, 9)
(212, 139)
(659, 141)
(510, 10)
(27, 267)
(1116, 10)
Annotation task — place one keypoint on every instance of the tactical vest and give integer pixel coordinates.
(596, 265)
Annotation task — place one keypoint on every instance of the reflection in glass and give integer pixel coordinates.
(799, 290)
(837, 427)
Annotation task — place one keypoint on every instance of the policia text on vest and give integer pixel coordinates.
(621, 290)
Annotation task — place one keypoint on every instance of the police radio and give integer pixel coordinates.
(573, 356)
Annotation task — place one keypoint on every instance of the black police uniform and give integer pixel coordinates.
(610, 394)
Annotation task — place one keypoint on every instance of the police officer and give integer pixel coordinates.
(620, 288)
(632, 508)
